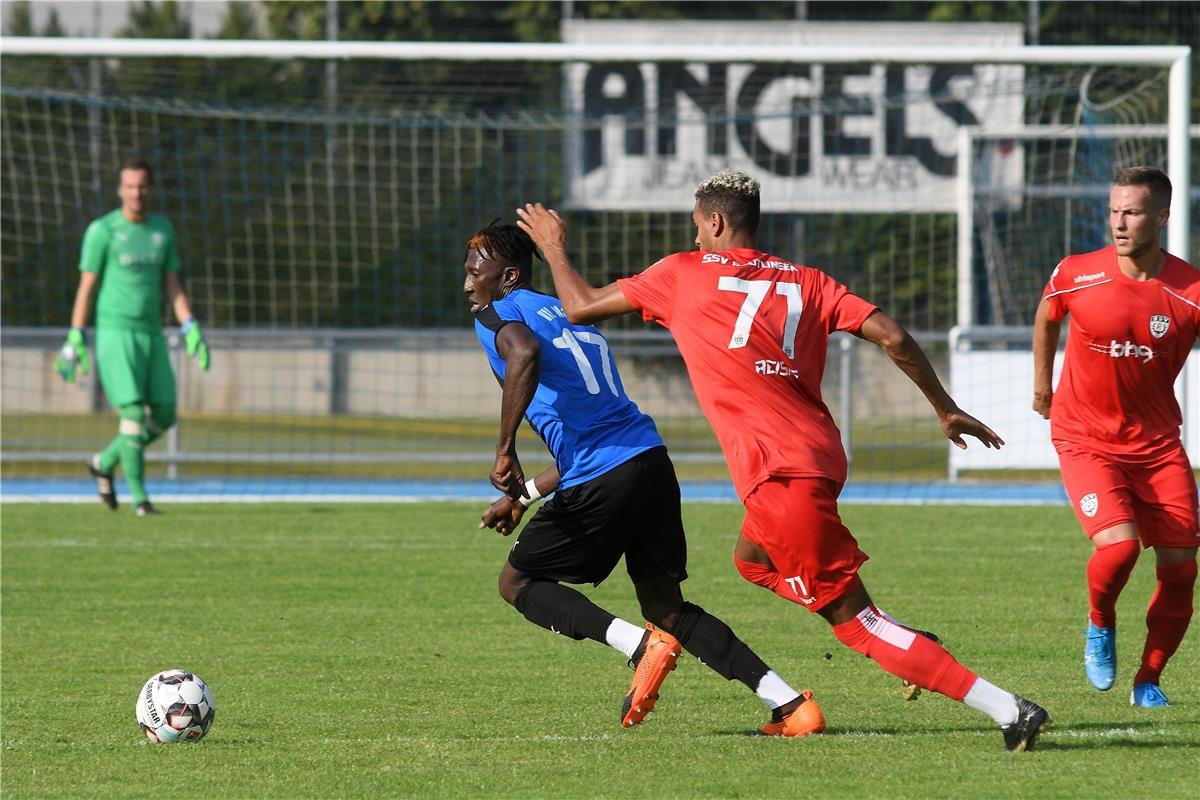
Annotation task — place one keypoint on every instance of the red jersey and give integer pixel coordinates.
(1126, 343)
(752, 329)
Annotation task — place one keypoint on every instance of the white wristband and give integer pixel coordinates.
(534, 494)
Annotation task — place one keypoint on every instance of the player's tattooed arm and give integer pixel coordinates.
(519, 348)
(583, 303)
(1045, 345)
(902, 348)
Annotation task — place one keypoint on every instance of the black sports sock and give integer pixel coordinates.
(715, 644)
(561, 609)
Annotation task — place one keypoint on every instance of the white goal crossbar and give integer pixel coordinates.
(1176, 58)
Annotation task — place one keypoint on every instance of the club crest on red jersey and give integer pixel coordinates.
(1158, 325)
(1089, 504)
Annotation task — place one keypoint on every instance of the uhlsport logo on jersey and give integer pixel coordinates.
(1158, 325)
(1089, 504)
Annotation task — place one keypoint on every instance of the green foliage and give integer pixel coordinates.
(361, 651)
(157, 20)
(240, 22)
(20, 19)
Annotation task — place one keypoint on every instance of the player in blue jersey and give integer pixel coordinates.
(615, 493)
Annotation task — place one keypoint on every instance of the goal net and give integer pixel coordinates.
(322, 210)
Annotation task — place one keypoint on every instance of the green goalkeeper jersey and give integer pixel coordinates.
(131, 259)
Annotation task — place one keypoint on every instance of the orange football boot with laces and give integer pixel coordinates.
(806, 720)
(659, 656)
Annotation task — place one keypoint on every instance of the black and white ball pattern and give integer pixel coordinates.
(175, 706)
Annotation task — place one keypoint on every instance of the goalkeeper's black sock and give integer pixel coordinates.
(715, 644)
(561, 609)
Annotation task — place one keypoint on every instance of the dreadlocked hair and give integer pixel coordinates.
(505, 243)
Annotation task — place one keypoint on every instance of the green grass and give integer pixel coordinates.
(362, 651)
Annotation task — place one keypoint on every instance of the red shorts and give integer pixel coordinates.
(1157, 494)
(796, 521)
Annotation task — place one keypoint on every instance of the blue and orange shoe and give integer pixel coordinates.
(659, 653)
(1100, 656)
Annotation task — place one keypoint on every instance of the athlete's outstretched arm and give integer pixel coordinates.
(1045, 346)
(902, 348)
(519, 348)
(582, 302)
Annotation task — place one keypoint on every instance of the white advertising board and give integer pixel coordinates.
(997, 387)
(820, 138)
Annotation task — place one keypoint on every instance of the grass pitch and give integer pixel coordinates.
(362, 651)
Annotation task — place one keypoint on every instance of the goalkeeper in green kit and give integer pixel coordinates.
(131, 256)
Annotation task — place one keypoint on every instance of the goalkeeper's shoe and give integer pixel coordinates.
(910, 690)
(1032, 719)
(805, 720)
(1100, 656)
(104, 484)
(1147, 695)
(659, 653)
(146, 509)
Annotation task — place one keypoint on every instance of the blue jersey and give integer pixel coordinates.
(580, 409)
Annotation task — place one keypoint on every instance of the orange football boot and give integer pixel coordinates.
(658, 658)
(806, 720)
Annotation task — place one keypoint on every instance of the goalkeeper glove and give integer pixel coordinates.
(195, 342)
(72, 356)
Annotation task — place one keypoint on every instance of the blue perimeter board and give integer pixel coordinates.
(319, 490)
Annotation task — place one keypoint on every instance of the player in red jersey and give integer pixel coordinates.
(1114, 420)
(753, 330)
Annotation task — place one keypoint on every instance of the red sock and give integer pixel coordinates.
(1167, 618)
(905, 654)
(1107, 571)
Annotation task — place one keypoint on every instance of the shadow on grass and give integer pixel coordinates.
(868, 732)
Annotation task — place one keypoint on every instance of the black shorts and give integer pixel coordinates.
(580, 534)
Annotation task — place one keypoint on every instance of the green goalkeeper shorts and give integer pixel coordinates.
(134, 367)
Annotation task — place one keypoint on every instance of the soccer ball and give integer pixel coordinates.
(175, 706)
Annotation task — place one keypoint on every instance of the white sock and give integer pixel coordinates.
(774, 691)
(891, 619)
(623, 636)
(993, 701)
